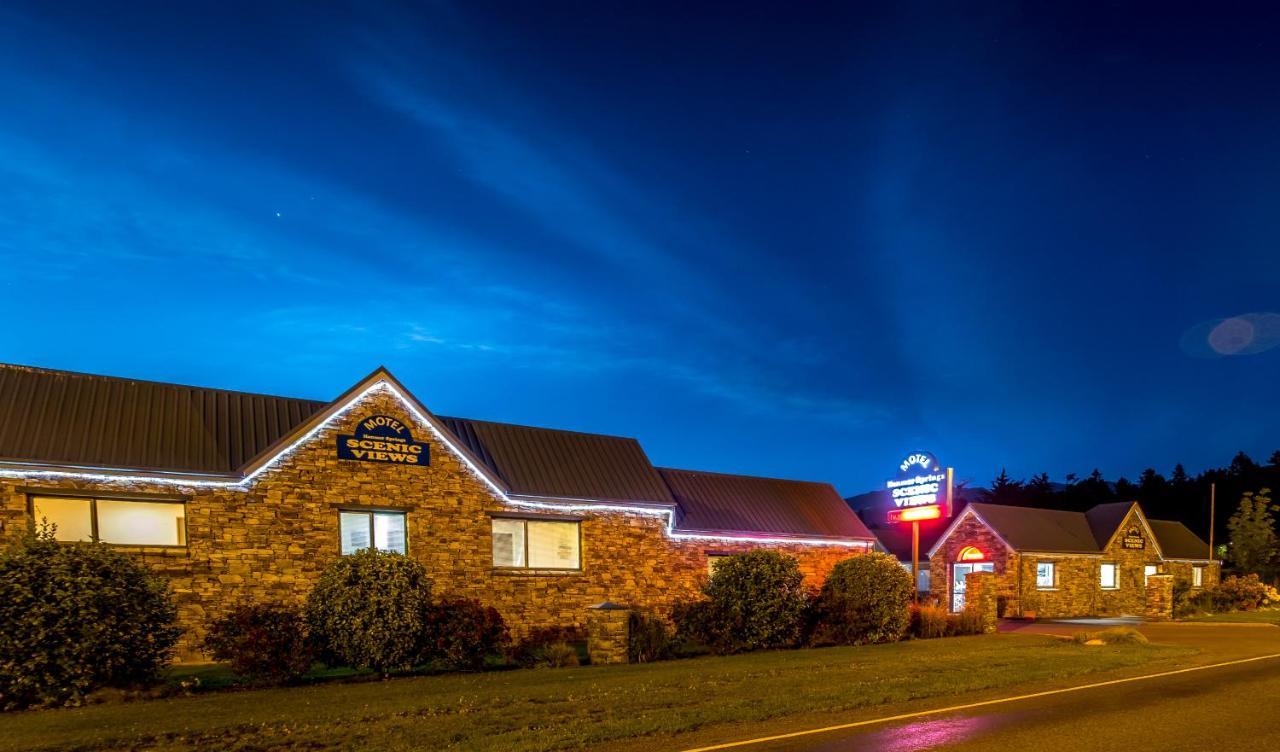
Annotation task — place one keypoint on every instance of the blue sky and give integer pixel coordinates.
(795, 243)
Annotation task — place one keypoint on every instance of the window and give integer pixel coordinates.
(123, 522)
(713, 561)
(536, 544)
(1045, 575)
(1197, 577)
(1109, 579)
(384, 531)
(1147, 571)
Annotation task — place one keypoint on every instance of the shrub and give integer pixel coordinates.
(968, 622)
(266, 643)
(755, 601)
(367, 611)
(867, 599)
(648, 639)
(1112, 636)
(462, 633)
(928, 622)
(1247, 593)
(75, 617)
(548, 646)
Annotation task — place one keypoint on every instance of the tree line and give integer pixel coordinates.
(1177, 496)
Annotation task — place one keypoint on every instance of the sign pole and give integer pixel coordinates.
(951, 509)
(1213, 493)
(915, 561)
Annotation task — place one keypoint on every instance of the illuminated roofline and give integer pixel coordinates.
(384, 383)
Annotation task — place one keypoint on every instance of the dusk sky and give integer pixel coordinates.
(797, 241)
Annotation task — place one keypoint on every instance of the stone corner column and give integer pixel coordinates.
(980, 595)
(1159, 606)
(608, 632)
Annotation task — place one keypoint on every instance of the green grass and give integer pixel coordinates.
(1266, 616)
(569, 708)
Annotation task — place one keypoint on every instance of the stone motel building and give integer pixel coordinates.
(1108, 561)
(241, 497)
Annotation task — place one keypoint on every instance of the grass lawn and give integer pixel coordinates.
(1267, 616)
(552, 709)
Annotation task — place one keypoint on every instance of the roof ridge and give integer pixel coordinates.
(126, 379)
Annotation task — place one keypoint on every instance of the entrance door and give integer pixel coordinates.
(958, 574)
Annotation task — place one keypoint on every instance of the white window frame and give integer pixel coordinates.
(1197, 576)
(371, 513)
(525, 546)
(1053, 575)
(92, 502)
(1115, 575)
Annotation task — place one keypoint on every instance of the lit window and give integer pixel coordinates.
(536, 544)
(1147, 571)
(715, 560)
(384, 531)
(122, 522)
(1197, 577)
(1045, 571)
(1110, 579)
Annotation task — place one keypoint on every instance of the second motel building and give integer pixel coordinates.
(246, 498)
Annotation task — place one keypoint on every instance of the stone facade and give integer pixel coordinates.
(1159, 605)
(1077, 589)
(982, 594)
(270, 539)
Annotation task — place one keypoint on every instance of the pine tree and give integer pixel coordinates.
(1242, 464)
(1275, 459)
(1252, 533)
(1039, 488)
(1179, 477)
(1004, 490)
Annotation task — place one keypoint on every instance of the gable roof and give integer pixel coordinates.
(718, 502)
(67, 418)
(1054, 531)
(1104, 520)
(101, 426)
(567, 464)
(1176, 541)
(1032, 529)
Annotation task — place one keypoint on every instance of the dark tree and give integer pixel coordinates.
(1179, 477)
(1125, 489)
(1275, 459)
(1039, 489)
(1242, 465)
(1004, 490)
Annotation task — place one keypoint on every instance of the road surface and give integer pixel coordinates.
(1233, 707)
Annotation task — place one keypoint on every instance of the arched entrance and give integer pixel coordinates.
(970, 559)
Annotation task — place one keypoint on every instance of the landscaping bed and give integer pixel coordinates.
(551, 709)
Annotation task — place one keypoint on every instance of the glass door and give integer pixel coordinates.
(958, 574)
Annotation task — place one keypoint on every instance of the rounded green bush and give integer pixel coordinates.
(368, 611)
(75, 617)
(867, 599)
(755, 600)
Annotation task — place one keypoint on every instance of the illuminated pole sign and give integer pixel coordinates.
(921, 491)
(920, 481)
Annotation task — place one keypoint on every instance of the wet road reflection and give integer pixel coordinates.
(934, 733)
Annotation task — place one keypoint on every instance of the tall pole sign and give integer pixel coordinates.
(921, 490)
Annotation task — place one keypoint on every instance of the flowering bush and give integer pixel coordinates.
(1247, 593)
(266, 643)
(75, 617)
(461, 633)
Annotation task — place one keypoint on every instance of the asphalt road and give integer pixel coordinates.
(1232, 707)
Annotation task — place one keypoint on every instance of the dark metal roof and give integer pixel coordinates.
(60, 417)
(1047, 530)
(1177, 541)
(1105, 519)
(717, 502)
(550, 462)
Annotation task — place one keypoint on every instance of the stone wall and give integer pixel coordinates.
(1077, 589)
(271, 539)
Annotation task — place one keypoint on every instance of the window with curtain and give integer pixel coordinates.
(360, 529)
(536, 544)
